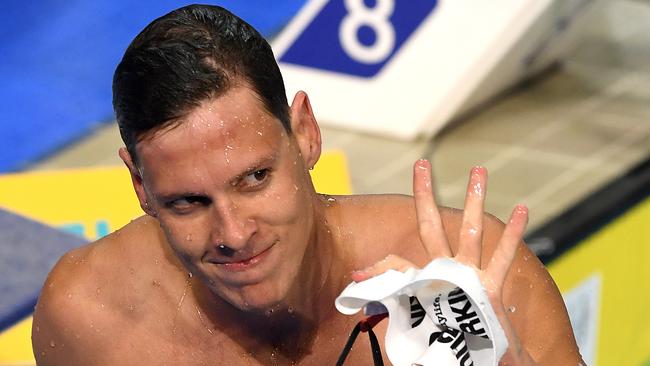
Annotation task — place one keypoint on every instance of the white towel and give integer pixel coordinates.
(439, 315)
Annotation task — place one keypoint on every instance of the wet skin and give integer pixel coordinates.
(229, 175)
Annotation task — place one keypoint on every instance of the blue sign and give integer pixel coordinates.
(357, 37)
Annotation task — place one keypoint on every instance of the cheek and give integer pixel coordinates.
(186, 237)
(287, 202)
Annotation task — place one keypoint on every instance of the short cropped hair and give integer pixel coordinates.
(190, 55)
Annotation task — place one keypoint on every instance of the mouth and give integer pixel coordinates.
(248, 263)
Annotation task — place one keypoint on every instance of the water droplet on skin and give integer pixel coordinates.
(526, 257)
(478, 189)
(188, 237)
(52, 345)
(473, 231)
(331, 199)
(69, 296)
(189, 274)
(531, 286)
(518, 270)
(131, 307)
(290, 310)
(512, 309)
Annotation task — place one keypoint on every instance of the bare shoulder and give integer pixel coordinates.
(65, 309)
(74, 317)
(372, 225)
(387, 224)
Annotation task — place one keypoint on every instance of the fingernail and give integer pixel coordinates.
(422, 164)
(358, 276)
(521, 209)
(520, 212)
(359, 273)
(478, 169)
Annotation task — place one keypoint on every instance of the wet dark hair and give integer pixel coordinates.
(190, 55)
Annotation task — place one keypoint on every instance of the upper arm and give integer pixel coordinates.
(60, 332)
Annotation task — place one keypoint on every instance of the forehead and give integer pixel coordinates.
(236, 120)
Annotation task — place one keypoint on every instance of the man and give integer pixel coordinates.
(238, 260)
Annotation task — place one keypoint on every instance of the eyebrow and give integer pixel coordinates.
(167, 198)
(269, 159)
(255, 166)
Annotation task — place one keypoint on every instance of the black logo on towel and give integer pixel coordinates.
(458, 345)
(467, 319)
(417, 312)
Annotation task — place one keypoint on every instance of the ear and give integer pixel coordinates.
(138, 185)
(305, 129)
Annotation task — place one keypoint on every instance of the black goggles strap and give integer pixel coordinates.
(364, 325)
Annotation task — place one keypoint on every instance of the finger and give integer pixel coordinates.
(471, 230)
(432, 232)
(390, 262)
(504, 254)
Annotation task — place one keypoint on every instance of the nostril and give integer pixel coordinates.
(225, 250)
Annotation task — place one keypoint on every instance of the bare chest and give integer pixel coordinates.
(170, 343)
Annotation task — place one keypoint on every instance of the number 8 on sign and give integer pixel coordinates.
(377, 19)
(352, 37)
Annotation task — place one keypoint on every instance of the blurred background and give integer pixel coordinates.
(553, 97)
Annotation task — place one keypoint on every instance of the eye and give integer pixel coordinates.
(186, 204)
(255, 178)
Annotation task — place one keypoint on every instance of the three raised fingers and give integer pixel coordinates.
(433, 235)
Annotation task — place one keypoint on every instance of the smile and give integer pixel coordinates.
(248, 263)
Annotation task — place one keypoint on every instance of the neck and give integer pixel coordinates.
(324, 270)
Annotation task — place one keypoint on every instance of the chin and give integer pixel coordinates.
(257, 299)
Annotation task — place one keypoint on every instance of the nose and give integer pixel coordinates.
(233, 227)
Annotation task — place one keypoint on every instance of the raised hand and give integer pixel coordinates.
(469, 247)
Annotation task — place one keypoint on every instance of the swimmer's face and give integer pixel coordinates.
(230, 175)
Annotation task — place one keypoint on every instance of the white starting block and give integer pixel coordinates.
(405, 68)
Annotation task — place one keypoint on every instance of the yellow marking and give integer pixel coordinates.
(16, 345)
(619, 253)
(330, 175)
